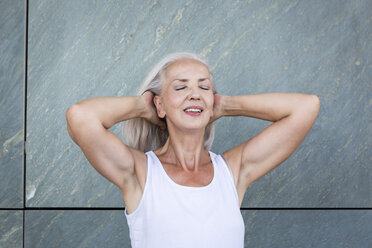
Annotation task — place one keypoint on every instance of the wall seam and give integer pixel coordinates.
(25, 124)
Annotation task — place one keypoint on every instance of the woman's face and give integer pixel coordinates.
(187, 97)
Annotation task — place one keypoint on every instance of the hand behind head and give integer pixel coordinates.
(150, 110)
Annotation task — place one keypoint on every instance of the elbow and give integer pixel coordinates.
(71, 117)
(310, 107)
(72, 114)
(79, 121)
(76, 118)
(315, 103)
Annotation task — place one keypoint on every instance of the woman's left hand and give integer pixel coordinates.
(217, 107)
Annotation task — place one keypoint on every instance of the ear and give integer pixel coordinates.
(159, 107)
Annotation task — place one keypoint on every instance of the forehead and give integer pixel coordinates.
(186, 68)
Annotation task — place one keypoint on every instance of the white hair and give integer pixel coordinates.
(144, 135)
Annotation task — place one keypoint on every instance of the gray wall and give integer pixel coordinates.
(12, 63)
(81, 49)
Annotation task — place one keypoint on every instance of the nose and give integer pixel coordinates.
(194, 93)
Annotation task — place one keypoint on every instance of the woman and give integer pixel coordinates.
(181, 194)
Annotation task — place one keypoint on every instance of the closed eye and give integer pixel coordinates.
(181, 88)
(204, 87)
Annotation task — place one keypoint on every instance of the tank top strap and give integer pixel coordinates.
(226, 174)
(221, 164)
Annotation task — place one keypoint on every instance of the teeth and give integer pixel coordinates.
(193, 110)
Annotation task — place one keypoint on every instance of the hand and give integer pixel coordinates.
(217, 107)
(150, 113)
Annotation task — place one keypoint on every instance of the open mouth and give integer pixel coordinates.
(193, 110)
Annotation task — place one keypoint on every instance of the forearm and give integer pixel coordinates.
(269, 106)
(105, 110)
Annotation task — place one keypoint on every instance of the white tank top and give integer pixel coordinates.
(173, 215)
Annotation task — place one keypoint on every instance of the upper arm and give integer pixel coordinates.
(103, 149)
(273, 145)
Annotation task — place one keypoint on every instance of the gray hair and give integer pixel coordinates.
(143, 135)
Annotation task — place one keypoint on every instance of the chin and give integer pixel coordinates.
(195, 125)
(189, 123)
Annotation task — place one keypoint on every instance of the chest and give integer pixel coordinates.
(201, 178)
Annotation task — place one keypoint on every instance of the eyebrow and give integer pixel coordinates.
(185, 79)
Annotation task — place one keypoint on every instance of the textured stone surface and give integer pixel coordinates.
(11, 228)
(308, 228)
(76, 228)
(12, 61)
(79, 50)
(276, 228)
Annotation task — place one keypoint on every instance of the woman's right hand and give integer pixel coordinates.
(150, 113)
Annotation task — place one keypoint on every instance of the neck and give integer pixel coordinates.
(185, 150)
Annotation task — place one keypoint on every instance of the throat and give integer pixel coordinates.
(203, 177)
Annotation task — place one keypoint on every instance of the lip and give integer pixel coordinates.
(192, 113)
(194, 107)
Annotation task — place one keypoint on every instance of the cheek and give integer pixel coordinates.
(173, 100)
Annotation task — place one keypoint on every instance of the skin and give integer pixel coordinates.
(183, 156)
(186, 83)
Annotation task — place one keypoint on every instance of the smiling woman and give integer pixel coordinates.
(177, 192)
(188, 95)
(145, 135)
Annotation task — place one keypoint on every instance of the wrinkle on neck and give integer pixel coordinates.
(185, 151)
